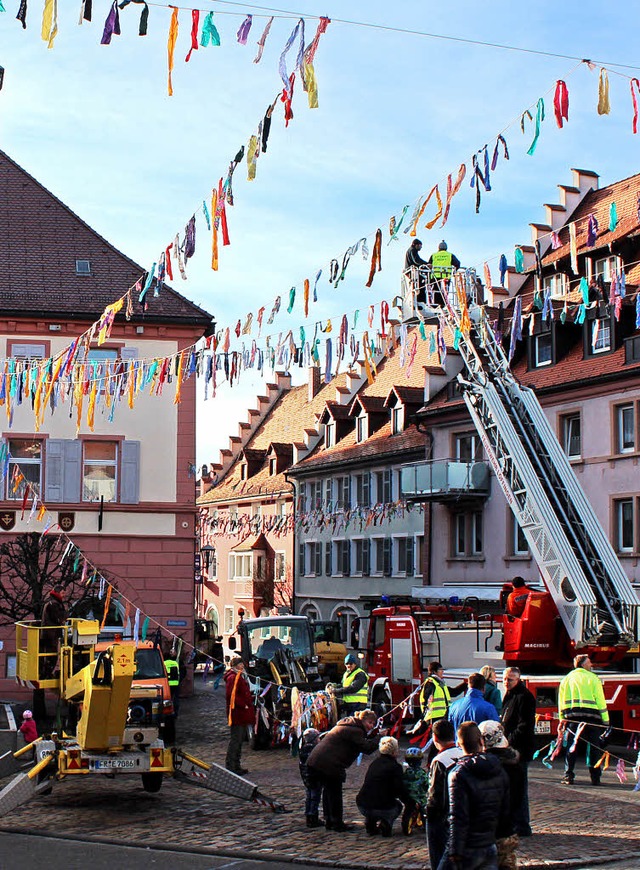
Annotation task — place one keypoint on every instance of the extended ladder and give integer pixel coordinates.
(594, 597)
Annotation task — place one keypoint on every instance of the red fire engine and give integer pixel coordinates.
(588, 603)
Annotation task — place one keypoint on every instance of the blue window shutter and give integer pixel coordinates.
(72, 471)
(54, 469)
(130, 473)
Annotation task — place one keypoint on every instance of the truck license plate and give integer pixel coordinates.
(113, 764)
(543, 727)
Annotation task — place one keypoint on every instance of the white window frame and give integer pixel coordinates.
(401, 549)
(516, 544)
(363, 489)
(397, 419)
(568, 424)
(280, 566)
(466, 442)
(557, 283)
(330, 434)
(343, 484)
(341, 550)
(465, 534)
(603, 339)
(229, 627)
(623, 545)
(313, 558)
(101, 463)
(541, 360)
(240, 566)
(23, 464)
(80, 269)
(621, 412)
(603, 267)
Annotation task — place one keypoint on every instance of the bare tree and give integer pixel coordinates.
(30, 565)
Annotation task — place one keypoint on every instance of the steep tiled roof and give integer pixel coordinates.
(598, 202)
(391, 373)
(41, 241)
(380, 443)
(283, 426)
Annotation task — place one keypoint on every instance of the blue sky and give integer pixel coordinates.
(397, 113)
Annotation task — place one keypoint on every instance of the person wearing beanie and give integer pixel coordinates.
(383, 791)
(28, 728)
(496, 743)
(354, 690)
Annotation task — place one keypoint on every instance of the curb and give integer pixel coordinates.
(268, 855)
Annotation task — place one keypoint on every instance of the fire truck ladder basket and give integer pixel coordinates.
(214, 777)
(593, 595)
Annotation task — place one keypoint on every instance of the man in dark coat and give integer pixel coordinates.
(336, 751)
(479, 804)
(415, 266)
(383, 789)
(519, 720)
(54, 613)
(241, 712)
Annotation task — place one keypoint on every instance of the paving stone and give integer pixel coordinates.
(574, 826)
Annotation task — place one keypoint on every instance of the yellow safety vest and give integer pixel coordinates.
(173, 672)
(581, 694)
(438, 703)
(441, 264)
(359, 697)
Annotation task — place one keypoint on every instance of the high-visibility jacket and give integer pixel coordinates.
(581, 697)
(441, 264)
(173, 671)
(436, 706)
(360, 695)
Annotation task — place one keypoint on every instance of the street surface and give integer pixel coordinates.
(578, 826)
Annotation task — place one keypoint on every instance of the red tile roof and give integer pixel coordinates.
(42, 239)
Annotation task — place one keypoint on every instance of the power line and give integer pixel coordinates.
(409, 32)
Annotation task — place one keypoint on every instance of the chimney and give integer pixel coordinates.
(314, 382)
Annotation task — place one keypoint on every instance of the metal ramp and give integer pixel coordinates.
(593, 595)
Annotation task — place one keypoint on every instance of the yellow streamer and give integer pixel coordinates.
(176, 400)
(54, 378)
(131, 385)
(50, 22)
(438, 215)
(91, 410)
(310, 84)
(604, 107)
(171, 45)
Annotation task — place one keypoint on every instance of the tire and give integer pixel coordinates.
(380, 702)
(152, 782)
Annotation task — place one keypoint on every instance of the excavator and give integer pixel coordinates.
(101, 735)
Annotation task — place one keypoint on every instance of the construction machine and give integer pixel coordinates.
(102, 732)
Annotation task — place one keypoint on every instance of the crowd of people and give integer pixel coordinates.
(473, 794)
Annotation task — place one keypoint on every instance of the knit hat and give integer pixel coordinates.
(27, 714)
(493, 735)
(350, 659)
(310, 735)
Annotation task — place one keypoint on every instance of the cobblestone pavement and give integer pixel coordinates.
(578, 826)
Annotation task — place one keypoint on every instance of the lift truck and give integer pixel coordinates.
(100, 736)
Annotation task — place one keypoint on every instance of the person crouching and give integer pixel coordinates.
(383, 789)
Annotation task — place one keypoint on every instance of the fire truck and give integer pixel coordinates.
(587, 604)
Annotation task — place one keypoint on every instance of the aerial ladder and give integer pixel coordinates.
(99, 736)
(595, 600)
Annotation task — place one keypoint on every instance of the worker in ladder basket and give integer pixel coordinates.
(442, 263)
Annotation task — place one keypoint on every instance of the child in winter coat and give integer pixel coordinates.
(310, 738)
(28, 728)
(416, 782)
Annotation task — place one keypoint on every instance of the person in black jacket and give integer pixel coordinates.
(383, 789)
(336, 751)
(495, 743)
(416, 267)
(479, 805)
(519, 721)
(444, 738)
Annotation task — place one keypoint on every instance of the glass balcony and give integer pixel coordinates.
(444, 480)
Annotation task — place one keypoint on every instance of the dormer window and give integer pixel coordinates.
(330, 434)
(542, 350)
(361, 428)
(273, 466)
(397, 420)
(605, 268)
(244, 471)
(558, 284)
(83, 267)
(600, 335)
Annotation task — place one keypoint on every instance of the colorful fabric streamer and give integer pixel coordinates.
(604, 106)
(561, 103)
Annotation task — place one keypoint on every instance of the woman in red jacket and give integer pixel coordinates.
(240, 712)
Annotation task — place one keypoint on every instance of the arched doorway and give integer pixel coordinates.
(214, 617)
(345, 614)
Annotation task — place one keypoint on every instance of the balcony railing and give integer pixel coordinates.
(444, 480)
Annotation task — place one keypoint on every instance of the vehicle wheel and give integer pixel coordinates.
(152, 782)
(380, 702)
(169, 732)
